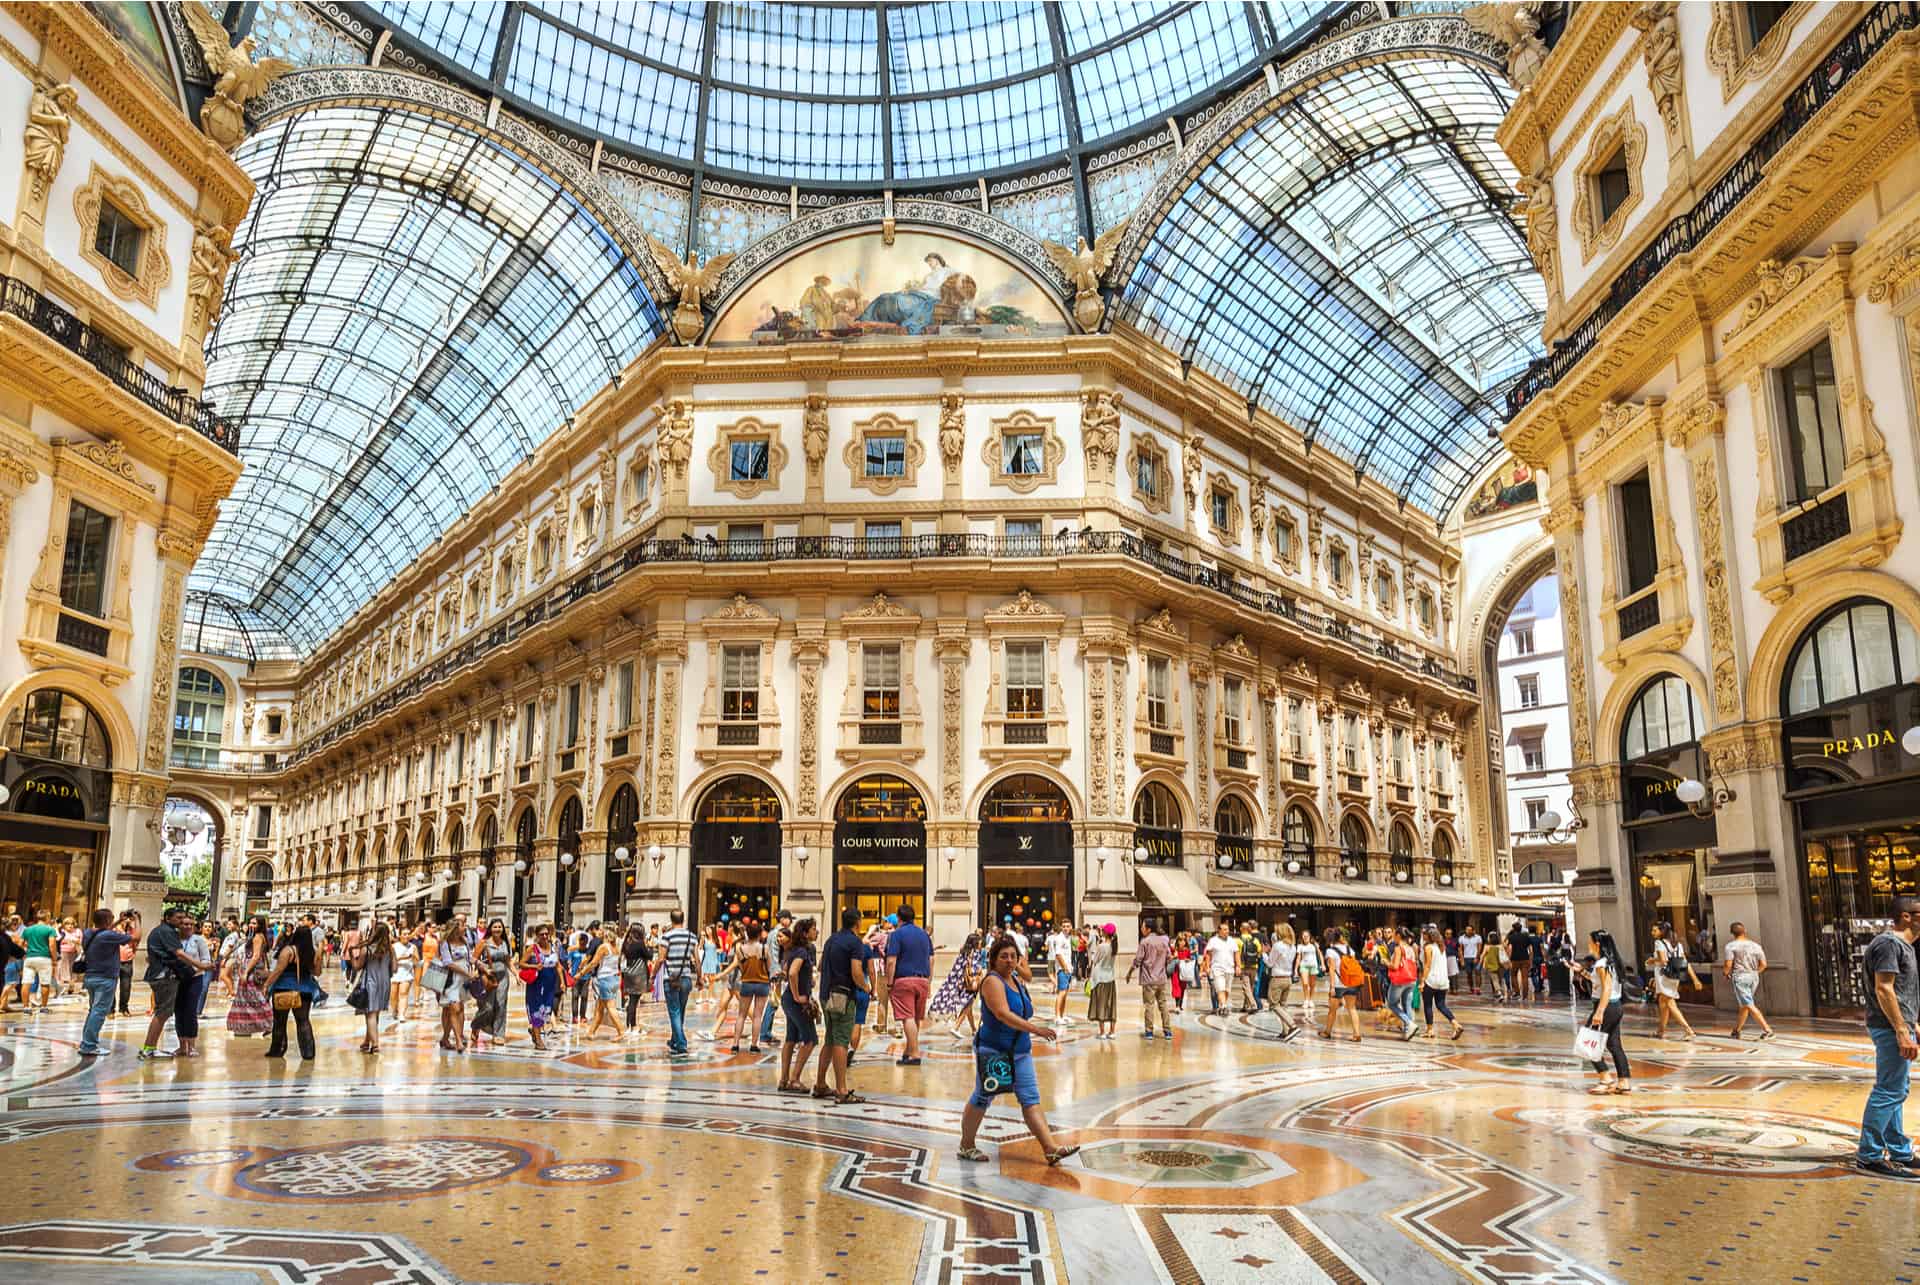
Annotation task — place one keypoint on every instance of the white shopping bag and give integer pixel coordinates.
(1589, 1043)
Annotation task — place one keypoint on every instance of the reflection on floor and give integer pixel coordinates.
(1222, 1155)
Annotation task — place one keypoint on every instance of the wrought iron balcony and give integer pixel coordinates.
(81, 634)
(880, 733)
(1685, 233)
(1639, 616)
(737, 734)
(21, 300)
(1025, 733)
(1815, 527)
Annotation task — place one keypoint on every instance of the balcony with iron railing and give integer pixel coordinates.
(18, 299)
(1815, 527)
(1881, 23)
(1067, 547)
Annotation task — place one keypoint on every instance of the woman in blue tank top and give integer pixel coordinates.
(1003, 1054)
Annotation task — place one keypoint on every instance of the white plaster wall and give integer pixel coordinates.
(1655, 174)
(16, 96)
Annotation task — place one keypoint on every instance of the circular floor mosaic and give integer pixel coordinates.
(1182, 1162)
(1721, 1139)
(358, 1170)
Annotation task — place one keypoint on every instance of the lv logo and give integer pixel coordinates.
(739, 842)
(1026, 843)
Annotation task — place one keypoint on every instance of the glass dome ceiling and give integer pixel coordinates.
(853, 93)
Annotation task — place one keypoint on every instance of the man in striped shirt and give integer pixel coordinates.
(680, 954)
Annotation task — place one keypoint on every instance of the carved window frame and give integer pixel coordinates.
(1146, 447)
(1024, 618)
(1820, 303)
(1234, 659)
(1620, 132)
(155, 268)
(881, 621)
(740, 622)
(1220, 484)
(1052, 452)
(1388, 610)
(1733, 57)
(639, 484)
(100, 477)
(1288, 558)
(1341, 585)
(885, 424)
(1638, 445)
(1158, 638)
(720, 458)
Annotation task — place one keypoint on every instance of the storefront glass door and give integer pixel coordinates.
(1667, 888)
(1852, 880)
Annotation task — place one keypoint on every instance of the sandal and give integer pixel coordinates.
(1354, 1038)
(1603, 1088)
(973, 1154)
(850, 1098)
(821, 1094)
(1055, 1157)
(801, 1089)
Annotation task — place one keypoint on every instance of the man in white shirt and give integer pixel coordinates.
(1060, 962)
(1470, 959)
(1744, 963)
(1223, 955)
(1279, 959)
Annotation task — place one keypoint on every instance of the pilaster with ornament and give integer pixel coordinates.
(1098, 646)
(670, 656)
(1329, 800)
(1201, 671)
(814, 436)
(17, 473)
(1699, 430)
(952, 647)
(1563, 524)
(953, 452)
(177, 553)
(1270, 750)
(809, 653)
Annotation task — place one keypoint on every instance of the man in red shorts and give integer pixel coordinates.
(910, 969)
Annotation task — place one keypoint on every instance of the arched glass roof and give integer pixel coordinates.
(413, 311)
(213, 626)
(1351, 263)
(850, 92)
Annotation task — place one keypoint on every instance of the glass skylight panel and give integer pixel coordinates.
(1161, 67)
(605, 91)
(791, 138)
(936, 47)
(968, 133)
(812, 50)
(668, 32)
(1087, 25)
(464, 31)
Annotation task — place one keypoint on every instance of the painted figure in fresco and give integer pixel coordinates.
(912, 306)
(816, 304)
(1511, 486)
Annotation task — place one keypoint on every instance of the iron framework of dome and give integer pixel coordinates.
(1347, 258)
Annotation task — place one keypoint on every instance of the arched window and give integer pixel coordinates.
(623, 835)
(1850, 696)
(736, 798)
(1232, 834)
(526, 832)
(1442, 857)
(1232, 817)
(1353, 847)
(1535, 872)
(1664, 716)
(199, 709)
(1400, 852)
(880, 798)
(1026, 797)
(1856, 649)
(52, 724)
(1297, 840)
(1156, 808)
(489, 839)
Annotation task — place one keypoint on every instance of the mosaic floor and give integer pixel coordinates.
(1224, 1155)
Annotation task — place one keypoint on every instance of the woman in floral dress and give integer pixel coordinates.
(954, 999)
(543, 992)
(252, 1012)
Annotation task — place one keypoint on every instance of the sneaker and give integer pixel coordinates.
(145, 1054)
(1166, 1035)
(1888, 1169)
(1766, 1035)
(1733, 1035)
(93, 1052)
(1146, 1035)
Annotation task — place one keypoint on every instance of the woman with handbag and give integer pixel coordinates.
(373, 981)
(636, 960)
(1401, 973)
(1435, 982)
(956, 994)
(1003, 1055)
(251, 1013)
(799, 1007)
(602, 971)
(1101, 987)
(1602, 1032)
(452, 970)
(405, 954)
(493, 961)
(540, 974)
(1670, 967)
(292, 988)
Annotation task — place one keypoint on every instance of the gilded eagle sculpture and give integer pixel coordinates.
(1084, 265)
(237, 78)
(691, 279)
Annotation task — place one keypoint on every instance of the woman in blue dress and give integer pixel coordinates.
(543, 991)
(911, 309)
(1006, 1039)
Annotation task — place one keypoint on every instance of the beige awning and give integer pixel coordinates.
(1174, 888)
(1294, 890)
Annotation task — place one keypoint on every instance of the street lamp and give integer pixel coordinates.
(1140, 855)
(654, 854)
(566, 859)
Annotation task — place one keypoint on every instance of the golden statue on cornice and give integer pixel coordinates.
(237, 77)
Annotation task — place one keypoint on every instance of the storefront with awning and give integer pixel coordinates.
(1172, 889)
(1383, 903)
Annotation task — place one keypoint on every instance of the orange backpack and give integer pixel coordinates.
(1351, 974)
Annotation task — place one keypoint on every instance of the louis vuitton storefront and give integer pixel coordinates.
(1851, 753)
(734, 848)
(1026, 856)
(53, 816)
(879, 850)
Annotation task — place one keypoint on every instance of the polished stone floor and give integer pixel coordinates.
(1223, 1155)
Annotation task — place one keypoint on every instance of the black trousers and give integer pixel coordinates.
(1431, 999)
(126, 988)
(1616, 1048)
(303, 1027)
(633, 1007)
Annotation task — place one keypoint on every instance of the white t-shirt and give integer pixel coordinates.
(1060, 950)
(1746, 956)
(1470, 948)
(1222, 954)
(1020, 944)
(1436, 958)
(1280, 958)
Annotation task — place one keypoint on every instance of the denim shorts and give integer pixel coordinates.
(1744, 986)
(1026, 1085)
(799, 1025)
(755, 990)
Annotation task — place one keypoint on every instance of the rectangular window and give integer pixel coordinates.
(1026, 679)
(883, 537)
(493, 741)
(570, 719)
(527, 716)
(273, 725)
(1296, 728)
(1426, 612)
(1536, 811)
(1383, 594)
(1527, 688)
(1232, 694)
(1021, 454)
(1222, 502)
(740, 683)
(1810, 408)
(1023, 528)
(623, 696)
(886, 456)
(880, 680)
(1146, 474)
(1533, 757)
(1639, 555)
(263, 821)
(1442, 766)
(744, 535)
(1350, 741)
(459, 765)
(117, 239)
(1400, 754)
(1763, 18)
(1523, 640)
(433, 768)
(747, 460)
(1612, 183)
(1159, 693)
(83, 567)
